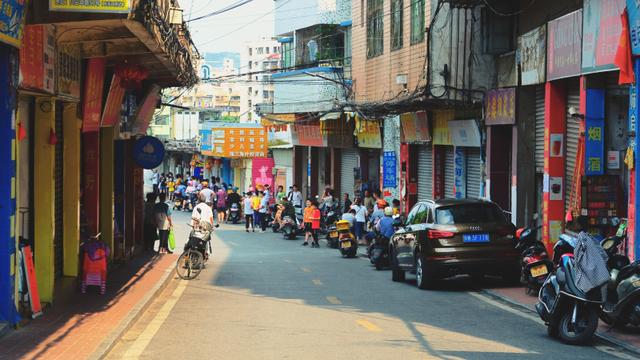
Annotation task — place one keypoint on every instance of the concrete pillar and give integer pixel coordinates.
(71, 189)
(107, 185)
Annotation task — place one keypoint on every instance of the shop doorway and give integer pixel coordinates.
(500, 161)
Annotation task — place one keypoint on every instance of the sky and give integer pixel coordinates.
(230, 30)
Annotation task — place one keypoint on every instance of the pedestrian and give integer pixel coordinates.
(368, 202)
(155, 180)
(162, 213)
(311, 223)
(346, 203)
(361, 218)
(327, 198)
(208, 196)
(350, 216)
(262, 210)
(150, 228)
(296, 197)
(267, 192)
(280, 195)
(221, 205)
(171, 187)
(247, 205)
(377, 196)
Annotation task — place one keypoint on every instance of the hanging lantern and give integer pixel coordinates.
(53, 138)
(21, 132)
(131, 75)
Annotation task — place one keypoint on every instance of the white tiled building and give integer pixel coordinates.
(257, 58)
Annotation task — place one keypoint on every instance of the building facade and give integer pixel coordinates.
(258, 59)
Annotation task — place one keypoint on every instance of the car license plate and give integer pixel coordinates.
(345, 244)
(539, 270)
(333, 234)
(475, 238)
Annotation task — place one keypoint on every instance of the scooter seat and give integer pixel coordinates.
(628, 270)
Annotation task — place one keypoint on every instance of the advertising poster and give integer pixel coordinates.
(389, 169)
(594, 133)
(102, 6)
(262, 172)
(564, 46)
(206, 142)
(532, 48)
(500, 107)
(464, 133)
(93, 88)
(237, 142)
(308, 134)
(601, 33)
(12, 21)
(37, 56)
(279, 137)
(368, 133)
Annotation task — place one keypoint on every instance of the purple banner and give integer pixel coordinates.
(564, 53)
(500, 107)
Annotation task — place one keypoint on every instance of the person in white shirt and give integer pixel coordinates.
(361, 218)
(208, 196)
(350, 217)
(296, 198)
(202, 215)
(248, 212)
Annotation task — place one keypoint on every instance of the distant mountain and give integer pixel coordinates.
(216, 59)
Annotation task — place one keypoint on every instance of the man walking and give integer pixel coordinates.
(164, 223)
(247, 205)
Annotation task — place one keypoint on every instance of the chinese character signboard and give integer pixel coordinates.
(239, 142)
(69, 66)
(368, 133)
(564, 46)
(11, 21)
(415, 128)
(441, 134)
(308, 134)
(460, 173)
(500, 107)
(594, 133)
(37, 56)
(93, 87)
(633, 9)
(532, 49)
(206, 142)
(601, 33)
(389, 169)
(103, 6)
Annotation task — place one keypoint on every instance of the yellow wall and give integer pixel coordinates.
(106, 185)
(71, 189)
(44, 167)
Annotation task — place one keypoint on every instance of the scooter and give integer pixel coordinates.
(347, 241)
(378, 251)
(332, 237)
(569, 313)
(535, 262)
(622, 306)
(289, 228)
(234, 213)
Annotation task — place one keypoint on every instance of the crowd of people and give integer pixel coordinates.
(261, 207)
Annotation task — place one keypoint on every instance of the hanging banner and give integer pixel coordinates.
(113, 107)
(37, 55)
(441, 134)
(262, 172)
(146, 110)
(438, 172)
(564, 47)
(594, 133)
(601, 33)
(532, 49)
(368, 133)
(308, 134)
(93, 88)
(12, 21)
(389, 169)
(415, 128)
(500, 107)
(69, 67)
(460, 173)
(91, 179)
(94, 6)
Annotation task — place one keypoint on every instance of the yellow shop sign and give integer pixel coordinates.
(102, 6)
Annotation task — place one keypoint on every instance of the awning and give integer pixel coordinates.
(277, 119)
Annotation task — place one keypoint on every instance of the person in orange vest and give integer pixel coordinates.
(311, 223)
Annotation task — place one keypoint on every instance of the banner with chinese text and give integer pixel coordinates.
(239, 142)
(37, 56)
(594, 133)
(93, 88)
(500, 107)
(564, 50)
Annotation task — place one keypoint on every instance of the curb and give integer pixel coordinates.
(603, 337)
(134, 314)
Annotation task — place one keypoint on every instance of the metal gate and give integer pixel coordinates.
(425, 173)
(474, 172)
(539, 140)
(58, 206)
(349, 161)
(572, 135)
(449, 172)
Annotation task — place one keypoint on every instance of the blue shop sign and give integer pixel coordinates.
(594, 133)
(148, 152)
(11, 21)
(633, 10)
(206, 142)
(460, 173)
(389, 179)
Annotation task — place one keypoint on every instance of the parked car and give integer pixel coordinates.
(448, 237)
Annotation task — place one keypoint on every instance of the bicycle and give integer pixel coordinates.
(192, 260)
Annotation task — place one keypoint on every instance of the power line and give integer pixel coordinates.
(223, 10)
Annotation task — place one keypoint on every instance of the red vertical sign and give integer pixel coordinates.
(90, 179)
(93, 88)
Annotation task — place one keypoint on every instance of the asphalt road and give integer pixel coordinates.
(263, 297)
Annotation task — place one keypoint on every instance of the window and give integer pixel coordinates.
(250, 51)
(396, 24)
(260, 51)
(287, 55)
(265, 94)
(266, 49)
(250, 64)
(375, 28)
(417, 21)
(250, 89)
(421, 215)
(275, 50)
(469, 214)
(412, 214)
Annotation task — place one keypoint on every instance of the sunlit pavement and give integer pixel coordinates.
(264, 297)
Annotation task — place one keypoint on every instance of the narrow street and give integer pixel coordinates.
(266, 298)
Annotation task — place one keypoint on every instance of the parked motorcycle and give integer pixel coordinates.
(569, 313)
(622, 306)
(535, 262)
(290, 228)
(332, 237)
(234, 213)
(378, 251)
(347, 241)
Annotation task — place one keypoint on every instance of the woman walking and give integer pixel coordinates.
(221, 205)
(247, 204)
(164, 223)
(311, 223)
(361, 218)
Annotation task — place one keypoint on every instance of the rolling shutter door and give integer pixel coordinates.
(449, 175)
(474, 174)
(572, 134)
(348, 163)
(539, 140)
(58, 208)
(425, 173)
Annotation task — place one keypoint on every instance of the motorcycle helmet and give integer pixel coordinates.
(381, 204)
(388, 211)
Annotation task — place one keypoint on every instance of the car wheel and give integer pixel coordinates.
(397, 274)
(424, 278)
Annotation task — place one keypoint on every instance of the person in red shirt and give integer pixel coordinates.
(311, 223)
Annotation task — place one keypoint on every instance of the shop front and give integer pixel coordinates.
(369, 139)
(309, 143)
(417, 157)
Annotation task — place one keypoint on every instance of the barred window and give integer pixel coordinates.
(375, 28)
(417, 21)
(396, 24)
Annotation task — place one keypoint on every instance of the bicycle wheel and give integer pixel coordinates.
(189, 265)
